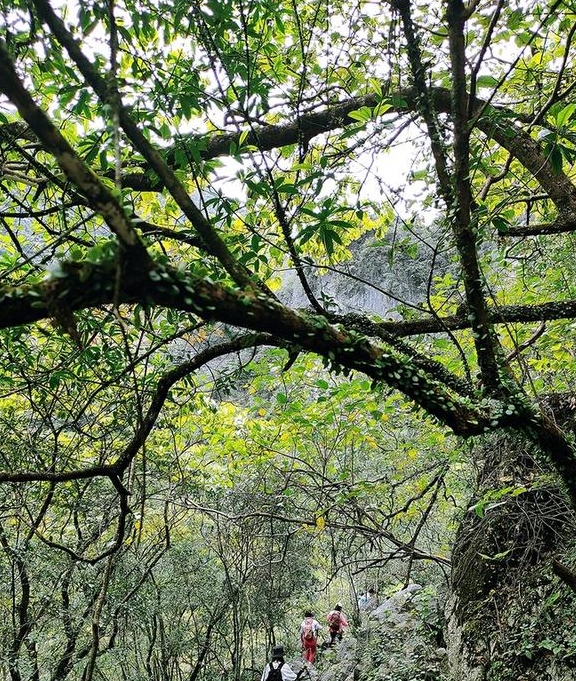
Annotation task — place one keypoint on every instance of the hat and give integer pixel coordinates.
(277, 651)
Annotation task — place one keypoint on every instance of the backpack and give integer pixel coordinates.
(275, 673)
(308, 633)
(334, 621)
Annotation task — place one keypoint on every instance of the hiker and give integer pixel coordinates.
(372, 600)
(277, 669)
(362, 600)
(309, 636)
(336, 623)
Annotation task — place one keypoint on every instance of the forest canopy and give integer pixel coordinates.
(117, 125)
(260, 263)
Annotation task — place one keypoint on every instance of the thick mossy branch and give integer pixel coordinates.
(84, 285)
(505, 314)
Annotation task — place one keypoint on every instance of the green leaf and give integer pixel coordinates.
(556, 160)
(565, 115)
(363, 114)
(487, 81)
(496, 556)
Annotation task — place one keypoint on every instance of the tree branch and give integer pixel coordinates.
(212, 241)
(463, 216)
(116, 469)
(82, 285)
(496, 123)
(99, 197)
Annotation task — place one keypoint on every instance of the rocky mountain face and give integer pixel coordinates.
(383, 273)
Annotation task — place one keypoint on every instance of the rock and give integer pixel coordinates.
(340, 662)
(392, 606)
(397, 642)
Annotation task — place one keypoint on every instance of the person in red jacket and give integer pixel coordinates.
(309, 630)
(336, 623)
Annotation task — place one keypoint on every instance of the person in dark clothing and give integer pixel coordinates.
(278, 668)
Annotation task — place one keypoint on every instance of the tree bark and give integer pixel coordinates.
(509, 567)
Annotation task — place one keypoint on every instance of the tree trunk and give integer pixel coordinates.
(512, 607)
